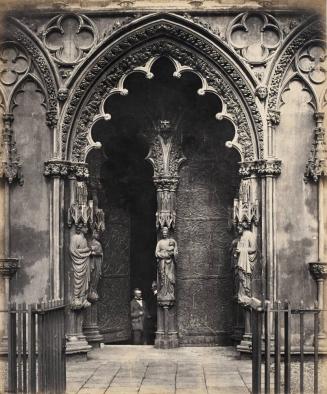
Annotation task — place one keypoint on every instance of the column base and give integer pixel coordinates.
(246, 344)
(92, 335)
(166, 341)
(77, 345)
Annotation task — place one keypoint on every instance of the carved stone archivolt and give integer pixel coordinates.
(162, 38)
(254, 36)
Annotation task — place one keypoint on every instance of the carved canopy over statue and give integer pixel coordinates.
(166, 254)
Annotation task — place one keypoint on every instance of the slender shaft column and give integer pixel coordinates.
(316, 171)
(166, 156)
(10, 173)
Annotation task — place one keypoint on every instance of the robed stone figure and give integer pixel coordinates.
(245, 255)
(95, 266)
(80, 255)
(166, 254)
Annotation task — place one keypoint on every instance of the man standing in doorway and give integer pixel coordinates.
(139, 314)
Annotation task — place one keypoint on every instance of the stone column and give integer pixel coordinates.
(316, 171)
(8, 268)
(166, 156)
(246, 218)
(10, 174)
(64, 177)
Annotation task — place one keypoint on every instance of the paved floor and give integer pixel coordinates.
(145, 370)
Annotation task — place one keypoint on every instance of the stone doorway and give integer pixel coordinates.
(121, 179)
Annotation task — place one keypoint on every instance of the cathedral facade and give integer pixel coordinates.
(180, 144)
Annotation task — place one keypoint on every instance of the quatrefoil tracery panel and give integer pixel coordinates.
(311, 61)
(13, 63)
(255, 37)
(69, 38)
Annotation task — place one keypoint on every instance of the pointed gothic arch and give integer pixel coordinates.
(131, 48)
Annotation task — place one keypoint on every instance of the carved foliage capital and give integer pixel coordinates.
(318, 270)
(271, 167)
(61, 168)
(8, 267)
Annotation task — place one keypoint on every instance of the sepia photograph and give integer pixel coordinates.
(163, 197)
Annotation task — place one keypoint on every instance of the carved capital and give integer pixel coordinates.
(10, 163)
(8, 267)
(318, 270)
(61, 168)
(270, 167)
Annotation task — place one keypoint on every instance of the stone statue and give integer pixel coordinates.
(166, 254)
(244, 257)
(95, 266)
(80, 254)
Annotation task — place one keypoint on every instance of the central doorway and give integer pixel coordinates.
(121, 180)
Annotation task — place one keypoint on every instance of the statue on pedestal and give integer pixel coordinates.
(80, 255)
(95, 266)
(244, 257)
(166, 254)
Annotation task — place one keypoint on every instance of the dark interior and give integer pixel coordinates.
(126, 191)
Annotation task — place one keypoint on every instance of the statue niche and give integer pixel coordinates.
(166, 254)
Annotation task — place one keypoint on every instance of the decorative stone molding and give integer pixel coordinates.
(10, 164)
(253, 41)
(158, 39)
(318, 270)
(273, 117)
(269, 167)
(8, 267)
(317, 163)
(200, 22)
(61, 168)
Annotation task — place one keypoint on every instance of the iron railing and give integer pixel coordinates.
(272, 344)
(36, 348)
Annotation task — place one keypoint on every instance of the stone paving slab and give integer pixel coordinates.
(145, 370)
